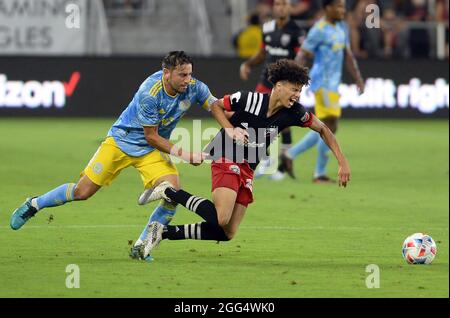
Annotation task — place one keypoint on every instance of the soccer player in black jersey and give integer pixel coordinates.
(236, 151)
(282, 38)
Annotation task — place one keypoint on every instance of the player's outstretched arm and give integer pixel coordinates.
(329, 138)
(218, 112)
(164, 145)
(255, 60)
(352, 67)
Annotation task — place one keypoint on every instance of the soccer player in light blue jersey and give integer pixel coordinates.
(139, 138)
(328, 44)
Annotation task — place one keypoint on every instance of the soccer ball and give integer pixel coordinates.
(419, 248)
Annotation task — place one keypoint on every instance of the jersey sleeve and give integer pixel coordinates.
(148, 114)
(204, 96)
(236, 101)
(304, 118)
(313, 40)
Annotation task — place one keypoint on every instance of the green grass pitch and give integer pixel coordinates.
(297, 240)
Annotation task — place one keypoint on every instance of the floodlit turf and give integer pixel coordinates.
(297, 240)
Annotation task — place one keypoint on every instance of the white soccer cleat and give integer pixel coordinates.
(277, 176)
(263, 166)
(155, 194)
(152, 240)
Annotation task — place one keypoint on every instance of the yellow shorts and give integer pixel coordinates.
(109, 161)
(327, 104)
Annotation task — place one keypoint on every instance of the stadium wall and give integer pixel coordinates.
(102, 87)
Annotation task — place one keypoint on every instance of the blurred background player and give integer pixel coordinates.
(247, 42)
(254, 125)
(139, 138)
(328, 44)
(282, 38)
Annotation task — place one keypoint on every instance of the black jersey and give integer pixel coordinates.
(281, 43)
(250, 113)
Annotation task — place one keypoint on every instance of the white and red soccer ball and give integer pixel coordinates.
(419, 248)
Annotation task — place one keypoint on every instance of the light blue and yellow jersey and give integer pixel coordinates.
(152, 106)
(328, 43)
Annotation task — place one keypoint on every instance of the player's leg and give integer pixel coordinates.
(215, 214)
(163, 213)
(232, 227)
(104, 166)
(225, 187)
(205, 230)
(155, 168)
(328, 111)
(323, 150)
(286, 144)
(232, 193)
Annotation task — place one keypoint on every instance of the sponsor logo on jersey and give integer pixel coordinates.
(97, 168)
(277, 51)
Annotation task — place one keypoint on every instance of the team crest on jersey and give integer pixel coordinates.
(235, 169)
(97, 168)
(185, 104)
(285, 39)
(268, 38)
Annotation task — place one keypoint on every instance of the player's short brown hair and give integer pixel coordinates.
(289, 71)
(175, 58)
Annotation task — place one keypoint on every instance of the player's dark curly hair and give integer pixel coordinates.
(175, 58)
(288, 70)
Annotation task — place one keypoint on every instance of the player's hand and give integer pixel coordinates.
(197, 158)
(361, 85)
(238, 134)
(244, 71)
(344, 175)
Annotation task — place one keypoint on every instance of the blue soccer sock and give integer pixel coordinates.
(55, 197)
(322, 159)
(309, 141)
(163, 214)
